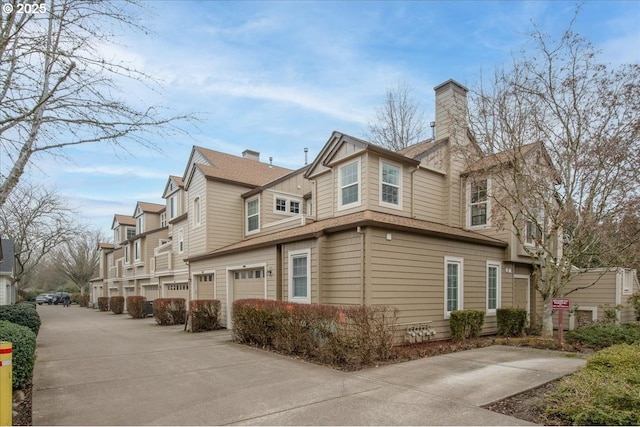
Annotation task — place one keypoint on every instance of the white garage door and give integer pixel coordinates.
(178, 290)
(150, 292)
(248, 283)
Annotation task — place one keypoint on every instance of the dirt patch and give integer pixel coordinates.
(22, 402)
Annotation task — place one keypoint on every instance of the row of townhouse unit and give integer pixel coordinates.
(360, 224)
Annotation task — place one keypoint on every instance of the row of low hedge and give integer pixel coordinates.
(347, 337)
(204, 315)
(601, 335)
(169, 311)
(21, 314)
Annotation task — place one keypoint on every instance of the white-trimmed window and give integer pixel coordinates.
(453, 284)
(493, 286)
(286, 205)
(309, 206)
(116, 235)
(173, 206)
(390, 184)
(281, 204)
(136, 250)
(196, 211)
(478, 194)
(163, 220)
(131, 231)
(533, 231)
(127, 257)
(253, 215)
(180, 241)
(140, 224)
(349, 185)
(300, 276)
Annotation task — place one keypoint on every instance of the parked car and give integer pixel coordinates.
(44, 298)
(58, 297)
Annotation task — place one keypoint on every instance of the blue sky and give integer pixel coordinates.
(276, 77)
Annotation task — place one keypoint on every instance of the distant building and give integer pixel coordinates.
(7, 264)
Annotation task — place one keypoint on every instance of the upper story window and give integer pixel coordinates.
(390, 184)
(116, 235)
(196, 211)
(180, 241)
(253, 214)
(163, 219)
(140, 223)
(286, 205)
(173, 206)
(349, 185)
(127, 258)
(533, 233)
(131, 231)
(136, 250)
(478, 202)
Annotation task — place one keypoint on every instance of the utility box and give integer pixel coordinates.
(149, 308)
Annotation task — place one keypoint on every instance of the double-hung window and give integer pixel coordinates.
(299, 276)
(533, 231)
(131, 231)
(181, 241)
(390, 184)
(173, 206)
(136, 250)
(453, 285)
(349, 180)
(478, 202)
(253, 214)
(141, 224)
(127, 259)
(493, 286)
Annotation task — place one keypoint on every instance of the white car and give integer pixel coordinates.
(44, 298)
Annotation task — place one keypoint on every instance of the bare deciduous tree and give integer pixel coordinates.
(59, 88)
(77, 259)
(38, 220)
(400, 122)
(558, 106)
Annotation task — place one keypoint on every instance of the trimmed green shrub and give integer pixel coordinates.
(116, 303)
(29, 303)
(602, 335)
(511, 321)
(21, 314)
(205, 315)
(347, 337)
(137, 306)
(23, 341)
(605, 392)
(169, 311)
(466, 324)
(103, 303)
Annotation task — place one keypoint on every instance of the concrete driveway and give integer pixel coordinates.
(96, 368)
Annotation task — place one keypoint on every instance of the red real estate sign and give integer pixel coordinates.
(560, 303)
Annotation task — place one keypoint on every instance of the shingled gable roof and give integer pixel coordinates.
(506, 158)
(178, 180)
(150, 207)
(230, 168)
(325, 158)
(364, 218)
(416, 149)
(122, 220)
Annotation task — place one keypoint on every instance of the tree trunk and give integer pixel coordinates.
(547, 319)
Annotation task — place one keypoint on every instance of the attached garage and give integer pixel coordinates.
(177, 290)
(248, 283)
(204, 286)
(150, 292)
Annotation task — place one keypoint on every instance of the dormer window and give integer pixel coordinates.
(349, 185)
(173, 206)
(131, 231)
(140, 224)
(286, 205)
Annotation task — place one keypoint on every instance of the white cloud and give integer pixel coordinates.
(133, 172)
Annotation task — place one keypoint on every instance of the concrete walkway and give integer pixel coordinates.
(97, 368)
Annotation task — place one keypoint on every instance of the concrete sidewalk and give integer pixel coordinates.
(96, 368)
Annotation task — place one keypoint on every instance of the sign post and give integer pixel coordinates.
(560, 304)
(6, 386)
